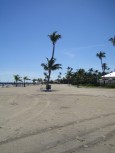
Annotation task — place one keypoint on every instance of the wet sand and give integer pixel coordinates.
(66, 120)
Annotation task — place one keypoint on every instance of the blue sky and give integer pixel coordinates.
(85, 26)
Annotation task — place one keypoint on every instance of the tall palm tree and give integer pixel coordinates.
(80, 74)
(17, 78)
(101, 55)
(112, 40)
(25, 78)
(54, 37)
(50, 66)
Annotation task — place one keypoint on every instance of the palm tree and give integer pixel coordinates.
(25, 78)
(39, 80)
(34, 81)
(90, 70)
(17, 78)
(80, 74)
(54, 37)
(112, 40)
(46, 77)
(105, 67)
(96, 73)
(101, 55)
(50, 66)
(69, 74)
(59, 77)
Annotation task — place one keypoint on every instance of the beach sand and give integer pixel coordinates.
(65, 120)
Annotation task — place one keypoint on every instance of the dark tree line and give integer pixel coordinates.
(81, 76)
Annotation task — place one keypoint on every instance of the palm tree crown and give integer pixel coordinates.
(25, 78)
(105, 67)
(50, 65)
(80, 73)
(17, 78)
(112, 40)
(54, 37)
(90, 70)
(101, 55)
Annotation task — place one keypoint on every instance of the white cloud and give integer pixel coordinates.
(72, 51)
(70, 54)
(86, 47)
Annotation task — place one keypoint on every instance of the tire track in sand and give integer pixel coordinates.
(41, 131)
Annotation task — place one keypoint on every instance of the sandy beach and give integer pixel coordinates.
(66, 120)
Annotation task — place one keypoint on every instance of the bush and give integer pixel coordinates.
(108, 86)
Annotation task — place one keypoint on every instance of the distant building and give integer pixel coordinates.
(109, 78)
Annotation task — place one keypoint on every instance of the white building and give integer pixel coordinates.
(109, 78)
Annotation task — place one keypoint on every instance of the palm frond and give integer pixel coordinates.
(45, 66)
(56, 67)
(112, 40)
(17, 77)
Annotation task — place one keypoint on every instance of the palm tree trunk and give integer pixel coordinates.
(24, 83)
(47, 85)
(16, 83)
(53, 51)
(101, 65)
(104, 77)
